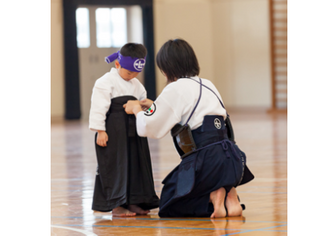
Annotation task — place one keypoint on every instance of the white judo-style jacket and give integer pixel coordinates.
(175, 104)
(109, 86)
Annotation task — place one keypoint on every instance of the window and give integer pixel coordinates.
(83, 31)
(103, 27)
(111, 25)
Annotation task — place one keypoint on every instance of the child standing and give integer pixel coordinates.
(124, 181)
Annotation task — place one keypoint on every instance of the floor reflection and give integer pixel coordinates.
(261, 136)
(228, 225)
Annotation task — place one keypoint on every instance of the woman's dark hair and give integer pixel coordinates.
(133, 50)
(177, 59)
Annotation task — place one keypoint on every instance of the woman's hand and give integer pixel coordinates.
(146, 103)
(102, 138)
(132, 107)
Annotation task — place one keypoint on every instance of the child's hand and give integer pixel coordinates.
(146, 103)
(132, 107)
(102, 138)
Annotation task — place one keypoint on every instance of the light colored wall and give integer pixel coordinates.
(231, 41)
(57, 60)
(230, 38)
(190, 20)
(241, 52)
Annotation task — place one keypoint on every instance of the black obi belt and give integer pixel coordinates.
(187, 141)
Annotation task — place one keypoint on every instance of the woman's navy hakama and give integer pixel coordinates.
(217, 163)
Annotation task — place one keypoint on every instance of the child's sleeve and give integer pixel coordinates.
(100, 103)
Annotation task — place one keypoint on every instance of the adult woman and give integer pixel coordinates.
(203, 184)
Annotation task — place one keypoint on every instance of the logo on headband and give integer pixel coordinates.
(139, 64)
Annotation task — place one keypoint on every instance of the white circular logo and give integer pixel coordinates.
(217, 123)
(139, 64)
(151, 110)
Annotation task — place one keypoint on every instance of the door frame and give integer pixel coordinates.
(71, 57)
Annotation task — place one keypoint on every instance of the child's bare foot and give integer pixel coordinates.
(138, 210)
(217, 198)
(122, 212)
(232, 203)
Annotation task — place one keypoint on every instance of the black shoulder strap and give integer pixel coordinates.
(197, 101)
(211, 91)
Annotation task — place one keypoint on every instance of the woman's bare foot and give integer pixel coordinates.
(232, 203)
(122, 212)
(138, 210)
(217, 198)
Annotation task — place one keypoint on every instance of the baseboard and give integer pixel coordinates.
(274, 110)
(57, 119)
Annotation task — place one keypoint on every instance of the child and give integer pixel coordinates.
(124, 181)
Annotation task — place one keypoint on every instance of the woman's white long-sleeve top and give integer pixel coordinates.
(109, 86)
(175, 104)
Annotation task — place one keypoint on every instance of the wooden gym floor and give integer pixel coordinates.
(262, 136)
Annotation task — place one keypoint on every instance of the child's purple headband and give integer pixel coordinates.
(129, 63)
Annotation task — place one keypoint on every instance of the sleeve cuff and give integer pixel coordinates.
(96, 128)
(141, 124)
